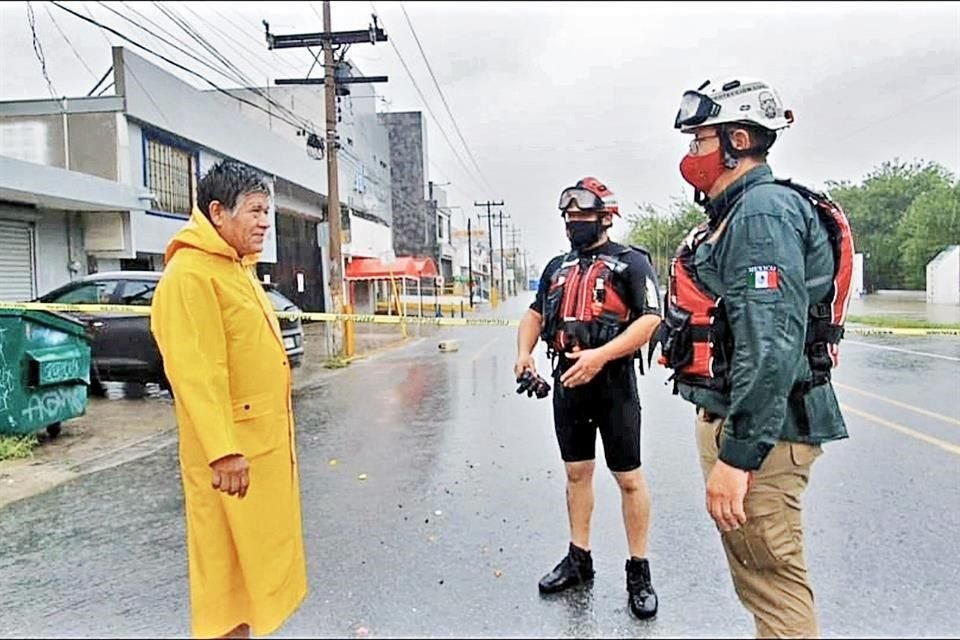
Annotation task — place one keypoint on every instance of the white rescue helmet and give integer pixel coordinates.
(745, 100)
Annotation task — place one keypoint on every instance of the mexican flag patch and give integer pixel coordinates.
(764, 277)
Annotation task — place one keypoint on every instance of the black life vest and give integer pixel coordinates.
(695, 338)
(585, 305)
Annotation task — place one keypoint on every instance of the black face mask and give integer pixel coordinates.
(584, 234)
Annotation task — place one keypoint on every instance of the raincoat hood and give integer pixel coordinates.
(199, 233)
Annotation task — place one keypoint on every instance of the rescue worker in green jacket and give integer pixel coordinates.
(757, 299)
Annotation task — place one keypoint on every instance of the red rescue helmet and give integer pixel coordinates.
(589, 194)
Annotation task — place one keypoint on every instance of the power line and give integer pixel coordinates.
(38, 50)
(155, 24)
(101, 29)
(182, 50)
(252, 86)
(234, 74)
(69, 44)
(426, 104)
(268, 73)
(276, 56)
(103, 32)
(239, 75)
(443, 98)
(235, 48)
(171, 62)
(315, 12)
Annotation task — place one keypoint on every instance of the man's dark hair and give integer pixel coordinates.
(227, 181)
(760, 139)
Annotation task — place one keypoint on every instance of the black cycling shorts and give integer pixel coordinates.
(608, 403)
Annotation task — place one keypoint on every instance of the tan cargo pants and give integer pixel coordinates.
(765, 555)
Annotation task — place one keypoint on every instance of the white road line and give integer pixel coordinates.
(937, 442)
(917, 353)
(897, 403)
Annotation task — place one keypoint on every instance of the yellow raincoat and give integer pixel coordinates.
(224, 356)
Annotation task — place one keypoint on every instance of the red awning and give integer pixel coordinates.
(404, 267)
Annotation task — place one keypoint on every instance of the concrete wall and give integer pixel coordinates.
(943, 277)
(91, 141)
(59, 249)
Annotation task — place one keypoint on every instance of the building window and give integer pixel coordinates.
(442, 228)
(171, 177)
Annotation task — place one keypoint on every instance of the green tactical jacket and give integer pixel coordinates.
(771, 230)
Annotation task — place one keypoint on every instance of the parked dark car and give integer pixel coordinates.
(123, 349)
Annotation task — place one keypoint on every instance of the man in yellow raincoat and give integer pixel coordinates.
(224, 356)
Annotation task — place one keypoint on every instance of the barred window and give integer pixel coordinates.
(171, 177)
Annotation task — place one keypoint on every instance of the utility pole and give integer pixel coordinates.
(489, 217)
(469, 261)
(329, 40)
(514, 234)
(503, 273)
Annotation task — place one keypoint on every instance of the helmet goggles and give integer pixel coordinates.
(695, 108)
(584, 199)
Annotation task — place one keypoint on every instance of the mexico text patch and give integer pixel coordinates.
(765, 277)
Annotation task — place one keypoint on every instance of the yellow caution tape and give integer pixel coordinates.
(290, 315)
(367, 318)
(900, 331)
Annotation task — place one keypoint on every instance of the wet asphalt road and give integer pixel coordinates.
(462, 511)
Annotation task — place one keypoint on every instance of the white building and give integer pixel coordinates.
(103, 183)
(51, 220)
(856, 280)
(471, 251)
(943, 277)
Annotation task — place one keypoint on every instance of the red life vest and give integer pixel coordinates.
(695, 337)
(584, 306)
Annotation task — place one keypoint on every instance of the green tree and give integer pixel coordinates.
(660, 232)
(877, 207)
(931, 224)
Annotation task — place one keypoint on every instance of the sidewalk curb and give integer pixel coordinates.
(129, 452)
(61, 472)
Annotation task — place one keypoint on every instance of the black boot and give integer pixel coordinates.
(575, 568)
(643, 599)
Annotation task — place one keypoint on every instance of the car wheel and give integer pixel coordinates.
(54, 429)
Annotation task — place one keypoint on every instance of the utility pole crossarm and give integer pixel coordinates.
(328, 40)
(354, 80)
(371, 35)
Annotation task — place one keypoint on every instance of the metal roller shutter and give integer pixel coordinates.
(16, 260)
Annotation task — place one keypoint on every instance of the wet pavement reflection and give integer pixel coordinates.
(433, 501)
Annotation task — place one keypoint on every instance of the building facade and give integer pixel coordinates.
(414, 222)
(148, 145)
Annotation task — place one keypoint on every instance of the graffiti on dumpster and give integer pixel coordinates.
(6, 378)
(54, 405)
(61, 370)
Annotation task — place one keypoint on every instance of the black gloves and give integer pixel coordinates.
(532, 384)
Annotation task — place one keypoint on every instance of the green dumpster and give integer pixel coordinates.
(44, 370)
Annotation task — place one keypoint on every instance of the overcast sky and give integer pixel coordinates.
(546, 92)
